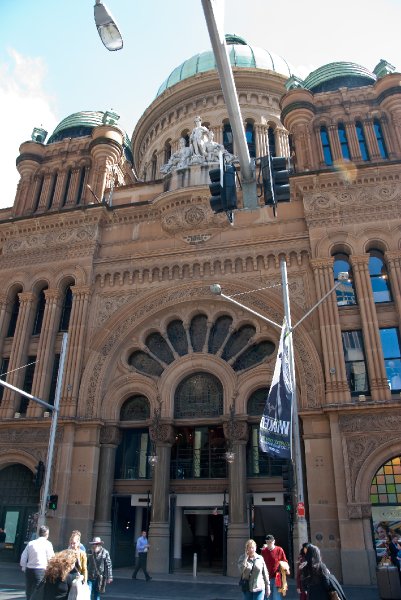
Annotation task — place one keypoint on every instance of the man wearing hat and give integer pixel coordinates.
(273, 555)
(99, 568)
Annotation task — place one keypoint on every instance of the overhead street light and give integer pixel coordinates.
(107, 28)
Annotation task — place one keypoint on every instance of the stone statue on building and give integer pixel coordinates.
(202, 150)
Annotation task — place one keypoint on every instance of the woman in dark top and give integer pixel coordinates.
(60, 574)
(316, 579)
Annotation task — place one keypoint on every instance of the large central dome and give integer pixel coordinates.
(241, 55)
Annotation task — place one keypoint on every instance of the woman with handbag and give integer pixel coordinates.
(254, 582)
(301, 563)
(99, 568)
(317, 580)
(59, 575)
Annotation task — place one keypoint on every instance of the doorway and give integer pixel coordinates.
(203, 534)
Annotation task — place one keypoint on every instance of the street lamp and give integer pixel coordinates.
(107, 28)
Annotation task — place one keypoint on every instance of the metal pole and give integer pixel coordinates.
(52, 437)
(250, 310)
(300, 524)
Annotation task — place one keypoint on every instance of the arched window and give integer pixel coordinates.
(167, 151)
(345, 292)
(13, 316)
(228, 140)
(272, 141)
(154, 166)
(327, 153)
(385, 496)
(250, 139)
(379, 277)
(360, 134)
(66, 310)
(81, 185)
(342, 136)
(40, 311)
(66, 188)
(136, 408)
(390, 341)
(52, 190)
(355, 363)
(198, 395)
(380, 138)
(38, 194)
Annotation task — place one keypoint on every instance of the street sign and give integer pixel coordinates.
(301, 509)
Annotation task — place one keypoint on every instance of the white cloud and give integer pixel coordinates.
(24, 105)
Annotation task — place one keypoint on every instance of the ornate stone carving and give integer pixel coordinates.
(51, 239)
(27, 436)
(238, 431)
(110, 435)
(370, 422)
(162, 434)
(359, 448)
(107, 305)
(190, 218)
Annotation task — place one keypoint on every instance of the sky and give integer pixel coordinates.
(52, 62)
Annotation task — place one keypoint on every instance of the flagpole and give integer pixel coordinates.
(300, 524)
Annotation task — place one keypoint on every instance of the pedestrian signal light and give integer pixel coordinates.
(288, 504)
(53, 500)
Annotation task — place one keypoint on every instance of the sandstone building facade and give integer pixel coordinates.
(103, 245)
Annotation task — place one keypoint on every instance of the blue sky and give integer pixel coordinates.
(53, 64)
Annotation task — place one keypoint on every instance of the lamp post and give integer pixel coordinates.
(301, 526)
(107, 28)
(54, 408)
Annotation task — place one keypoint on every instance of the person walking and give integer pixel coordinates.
(99, 568)
(254, 581)
(273, 555)
(60, 574)
(142, 547)
(82, 560)
(34, 560)
(316, 579)
(301, 563)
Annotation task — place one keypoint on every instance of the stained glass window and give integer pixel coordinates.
(178, 337)
(386, 484)
(135, 408)
(198, 395)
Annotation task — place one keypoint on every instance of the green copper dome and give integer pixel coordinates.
(80, 124)
(338, 74)
(241, 55)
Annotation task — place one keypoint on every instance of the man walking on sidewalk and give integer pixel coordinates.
(34, 560)
(142, 547)
(273, 555)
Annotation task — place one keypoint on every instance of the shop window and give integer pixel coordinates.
(132, 455)
(66, 310)
(385, 495)
(327, 153)
(379, 277)
(390, 340)
(360, 134)
(342, 136)
(345, 292)
(198, 453)
(380, 138)
(355, 363)
(40, 311)
(198, 396)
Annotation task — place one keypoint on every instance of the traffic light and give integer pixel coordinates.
(275, 179)
(223, 189)
(288, 503)
(287, 475)
(52, 504)
(39, 475)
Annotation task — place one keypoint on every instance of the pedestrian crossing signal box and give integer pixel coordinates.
(52, 503)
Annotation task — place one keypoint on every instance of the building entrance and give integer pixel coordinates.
(203, 534)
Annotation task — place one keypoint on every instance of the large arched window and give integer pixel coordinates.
(342, 136)
(385, 497)
(379, 277)
(345, 292)
(198, 395)
(380, 138)
(327, 153)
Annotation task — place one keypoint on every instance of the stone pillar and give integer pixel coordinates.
(3, 320)
(47, 183)
(282, 144)
(178, 537)
(45, 352)
(162, 435)
(370, 326)
(218, 134)
(352, 138)
(261, 140)
(330, 331)
(238, 528)
(389, 138)
(109, 439)
(371, 139)
(334, 142)
(75, 348)
(73, 187)
(18, 353)
(393, 261)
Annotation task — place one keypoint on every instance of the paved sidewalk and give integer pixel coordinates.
(177, 586)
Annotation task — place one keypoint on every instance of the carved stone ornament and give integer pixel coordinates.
(107, 305)
(360, 201)
(370, 422)
(50, 239)
(190, 218)
(163, 434)
(26, 436)
(238, 431)
(110, 435)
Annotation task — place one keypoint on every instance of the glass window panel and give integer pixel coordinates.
(345, 292)
(327, 154)
(342, 136)
(362, 141)
(254, 355)
(374, 498)
(383, 498)
(199, 395)
(355, 362)
(391, 489)
(380, 479)
(392, 498)
(388, 469)
(237, 341)
(218, 333)
(178, 337)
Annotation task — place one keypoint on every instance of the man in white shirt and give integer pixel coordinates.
(34, 560)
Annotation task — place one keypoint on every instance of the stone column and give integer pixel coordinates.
(330, 330)
(75, 348)
(238, 528)
(45, 352)
(218, 134)
(261, 140)
(110, 437)
(283, 147)
(374, 355)
(371, 139)
(334, 142)
(393, 261)
(352, 138)
(3, 320)
(73, 187)
(45, 192)
(18, 353)
(162, 435)
(389, 138)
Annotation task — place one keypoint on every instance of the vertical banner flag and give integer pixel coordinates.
(276, 424)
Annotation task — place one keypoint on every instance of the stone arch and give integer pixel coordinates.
(121, 389)
(135, 315)
(19, 457)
